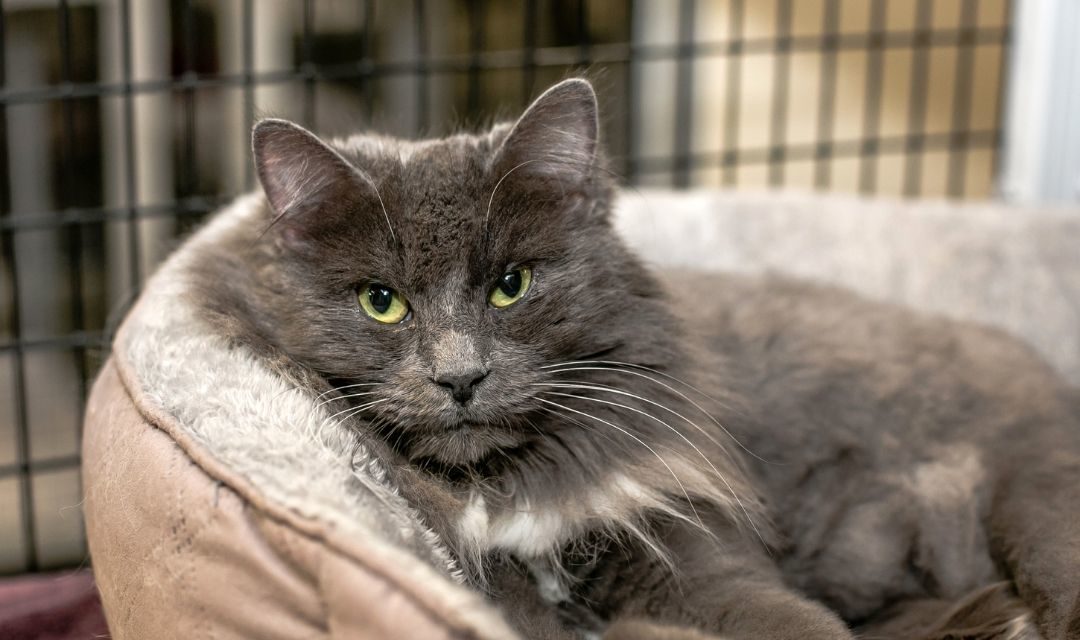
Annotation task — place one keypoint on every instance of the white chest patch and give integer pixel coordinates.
(528, 533)
(525, 532)
(473, 524)
(531, 531)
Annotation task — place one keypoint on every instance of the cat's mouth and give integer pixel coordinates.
(464, 442)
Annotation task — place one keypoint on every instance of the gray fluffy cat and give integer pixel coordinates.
(611, 451)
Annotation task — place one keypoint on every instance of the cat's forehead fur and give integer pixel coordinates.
(434, 193)
(443, 213)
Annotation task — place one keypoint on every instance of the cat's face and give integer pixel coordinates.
(438, 281)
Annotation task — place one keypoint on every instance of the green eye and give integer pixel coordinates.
(510, 287)
(383, 303)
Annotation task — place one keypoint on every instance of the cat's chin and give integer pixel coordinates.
(462, 445)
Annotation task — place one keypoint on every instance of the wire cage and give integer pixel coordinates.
(124, 123)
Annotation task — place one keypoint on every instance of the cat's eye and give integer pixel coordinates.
(383, 304)
(510, 287)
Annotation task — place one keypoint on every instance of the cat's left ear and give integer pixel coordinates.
(556, 137)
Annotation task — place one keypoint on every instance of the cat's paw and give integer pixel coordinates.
(634, 629)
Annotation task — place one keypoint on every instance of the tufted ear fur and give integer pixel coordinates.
(307, 183)
(556, 137)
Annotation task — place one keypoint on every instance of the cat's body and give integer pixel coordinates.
(900, 456)
(884, 440)
(600, 448)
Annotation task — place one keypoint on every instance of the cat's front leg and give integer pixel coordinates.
(737, 611)
(1035, 530)
(720, 588)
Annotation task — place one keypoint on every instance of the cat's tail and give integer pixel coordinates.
(993, 612)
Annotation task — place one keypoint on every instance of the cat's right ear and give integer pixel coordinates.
(556, 137)
(304, 178)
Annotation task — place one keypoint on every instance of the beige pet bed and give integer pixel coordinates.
(222, 503)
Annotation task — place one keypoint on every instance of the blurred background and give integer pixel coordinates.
(123, 123)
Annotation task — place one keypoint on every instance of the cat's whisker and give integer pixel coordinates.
(617, 365)
(321, 399)
(395, 431)
(634, 365)
(355, 411)
(719, 476)
(597, 432)
(657, 548)
(351, 411)
(592, 429)
(487, 213)
(618, 368)
(603, 435)
(379, 424)
(346, 397)
(535, 428)
(641, 367)
(639, 441)
(661, 383)
(597, 386)
(382, 205)
(347, 386)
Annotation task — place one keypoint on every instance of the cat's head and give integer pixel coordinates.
(438, 282)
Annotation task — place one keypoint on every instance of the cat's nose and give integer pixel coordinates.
(460, 385)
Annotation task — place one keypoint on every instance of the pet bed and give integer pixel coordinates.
(221, 502)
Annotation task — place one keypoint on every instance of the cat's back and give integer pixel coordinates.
(878, 433)
(779, 337)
